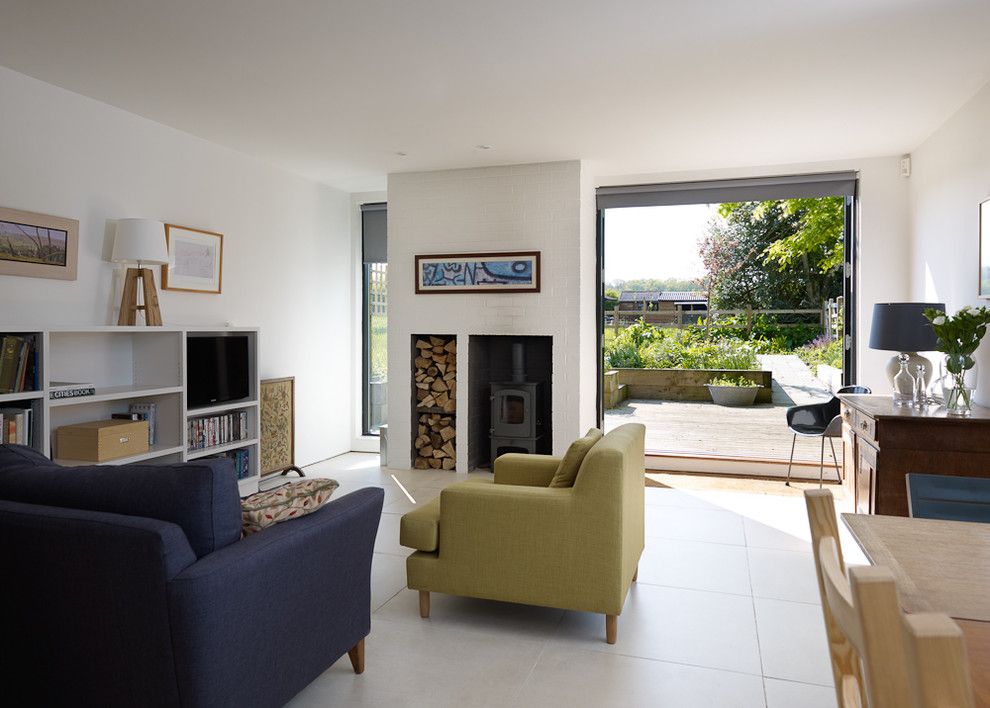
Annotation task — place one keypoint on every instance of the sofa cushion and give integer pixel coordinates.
(201, 497)
(290, 501)
(567, 471)
(420, 528)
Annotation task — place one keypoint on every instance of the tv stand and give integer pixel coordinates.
(132, 364)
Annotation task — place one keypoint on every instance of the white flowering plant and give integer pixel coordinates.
(959, 335)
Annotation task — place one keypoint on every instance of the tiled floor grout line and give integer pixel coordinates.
(756, 621)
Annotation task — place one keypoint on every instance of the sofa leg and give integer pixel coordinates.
(611, 628)
(636, 573)
(424, 603)
(356, 655)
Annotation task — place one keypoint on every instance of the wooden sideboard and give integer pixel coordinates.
(882, 443)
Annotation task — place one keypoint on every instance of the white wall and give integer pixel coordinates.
(883, 233)
(287, 244)
(951, 176)
(520, 207)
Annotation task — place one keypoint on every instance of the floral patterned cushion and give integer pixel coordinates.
(289, 501)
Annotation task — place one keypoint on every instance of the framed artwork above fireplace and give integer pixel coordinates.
(512, 271)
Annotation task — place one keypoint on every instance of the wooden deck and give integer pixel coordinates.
(703, 428)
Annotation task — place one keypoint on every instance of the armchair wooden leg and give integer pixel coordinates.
(424, 603)
(611, 628)
(356, 655)
(636, 573)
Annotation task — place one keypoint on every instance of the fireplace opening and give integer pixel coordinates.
(509, 380)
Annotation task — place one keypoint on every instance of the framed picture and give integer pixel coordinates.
(517, 272)
(38, 245)
(195, 260)
(278, 426)
(985, 248)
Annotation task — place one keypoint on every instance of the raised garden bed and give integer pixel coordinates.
(680, 384)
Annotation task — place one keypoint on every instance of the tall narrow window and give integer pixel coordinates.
(374, 231)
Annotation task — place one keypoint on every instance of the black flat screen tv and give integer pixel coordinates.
(217, 370)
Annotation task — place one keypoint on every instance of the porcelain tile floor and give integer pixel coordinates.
(725, 614)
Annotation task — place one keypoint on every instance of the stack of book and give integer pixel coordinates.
(18, 364)
(241, 460)
(143, 411)
(15, 426)
(218, 430)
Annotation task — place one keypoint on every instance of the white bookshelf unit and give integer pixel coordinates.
(133, 364)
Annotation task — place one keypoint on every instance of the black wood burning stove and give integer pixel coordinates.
(517, 425)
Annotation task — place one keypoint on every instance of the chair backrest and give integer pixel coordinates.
(855, 389)
(862, 618)
(937, 663)
(937, 496)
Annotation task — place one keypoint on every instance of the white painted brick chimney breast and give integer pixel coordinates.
(512, 208)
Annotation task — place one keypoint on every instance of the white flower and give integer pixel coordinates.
(940, 320)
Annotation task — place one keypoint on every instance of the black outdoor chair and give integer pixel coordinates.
(819, 420)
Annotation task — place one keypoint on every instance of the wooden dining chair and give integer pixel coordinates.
(943, 496)
(862, 618)
(937, 663)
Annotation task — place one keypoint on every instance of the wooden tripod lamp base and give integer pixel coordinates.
(129, 302)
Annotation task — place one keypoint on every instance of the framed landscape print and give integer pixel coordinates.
(517, 272)
(38, 245)
(195, 260)
(985, 248)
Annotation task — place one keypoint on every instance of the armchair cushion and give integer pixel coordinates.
(201, 497)
(568, 470)
(420, 529)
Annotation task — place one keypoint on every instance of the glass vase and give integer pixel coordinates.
(958, 383)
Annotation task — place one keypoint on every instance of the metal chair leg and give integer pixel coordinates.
(821, 466)
(791, 461)
(838, 470)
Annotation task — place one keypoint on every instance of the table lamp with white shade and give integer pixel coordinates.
(140, 241)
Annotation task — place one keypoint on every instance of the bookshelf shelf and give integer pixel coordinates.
(131, 365)
(217, 449)
(154, 452)
(116, 393)
(224, 408)
(21, 396)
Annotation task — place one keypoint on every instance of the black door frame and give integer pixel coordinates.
(849, 291)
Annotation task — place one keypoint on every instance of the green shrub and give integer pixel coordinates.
(821, 351)
(645, 346)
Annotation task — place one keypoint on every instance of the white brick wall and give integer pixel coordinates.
(520, 207)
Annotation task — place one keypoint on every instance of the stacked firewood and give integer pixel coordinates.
(435, 378)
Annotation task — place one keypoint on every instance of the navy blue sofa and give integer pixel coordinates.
(130, 586)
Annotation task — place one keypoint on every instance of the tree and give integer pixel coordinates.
(735, 254)
(641, 284)
(611, 299)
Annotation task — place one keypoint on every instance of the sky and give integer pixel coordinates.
(655, 242)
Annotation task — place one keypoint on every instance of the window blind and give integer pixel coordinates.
(374, 232)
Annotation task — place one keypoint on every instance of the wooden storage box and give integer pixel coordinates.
(101, 440)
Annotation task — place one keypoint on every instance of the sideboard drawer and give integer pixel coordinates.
(865, 426)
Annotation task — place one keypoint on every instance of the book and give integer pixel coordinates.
(15, 426)
(10, 353)
(59, 390)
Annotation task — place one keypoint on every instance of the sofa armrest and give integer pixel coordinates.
(524, 469)
(506, 516)
(295, 596)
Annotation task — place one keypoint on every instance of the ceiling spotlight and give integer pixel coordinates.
(482, 147)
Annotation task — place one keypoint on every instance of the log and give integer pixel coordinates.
(426, 451)
(422, 362)
(447, 433)
(438, 350)
(449, 463)
(436, 440)
(448, 447)
(434, 463)
(439, 454)
(442, 399)
(432, 371)
(437, 341)
(451, 346)
(438, 386)
(423, 385)
(421, 464)
(420, 344)
(449, 407)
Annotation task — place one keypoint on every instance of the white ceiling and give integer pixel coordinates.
(333, 89)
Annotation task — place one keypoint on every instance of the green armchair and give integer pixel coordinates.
(517, 540)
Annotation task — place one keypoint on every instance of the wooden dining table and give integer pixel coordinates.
(940, 566)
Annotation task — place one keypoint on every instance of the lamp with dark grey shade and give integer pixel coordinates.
(902, 327)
